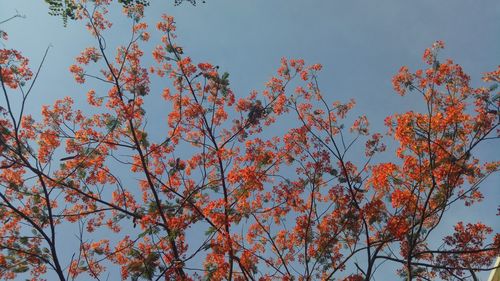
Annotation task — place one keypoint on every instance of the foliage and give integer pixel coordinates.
(66, 8)
(214, 198)
(63, 8)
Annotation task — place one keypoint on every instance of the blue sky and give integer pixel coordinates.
(361, 45)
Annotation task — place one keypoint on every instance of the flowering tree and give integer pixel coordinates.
(66, 9)
(290, 206)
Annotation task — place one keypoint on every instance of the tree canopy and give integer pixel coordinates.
(224, 194)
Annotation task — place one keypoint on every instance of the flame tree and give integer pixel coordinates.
(222, 195)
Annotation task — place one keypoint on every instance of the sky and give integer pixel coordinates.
(361, 45)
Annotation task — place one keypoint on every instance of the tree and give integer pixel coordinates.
(66, 9)
(214, 171)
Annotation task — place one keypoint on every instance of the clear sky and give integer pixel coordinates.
(361, 45)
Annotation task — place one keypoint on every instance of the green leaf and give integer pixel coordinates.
(24, 240)
(211, 230)
(20, 269)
